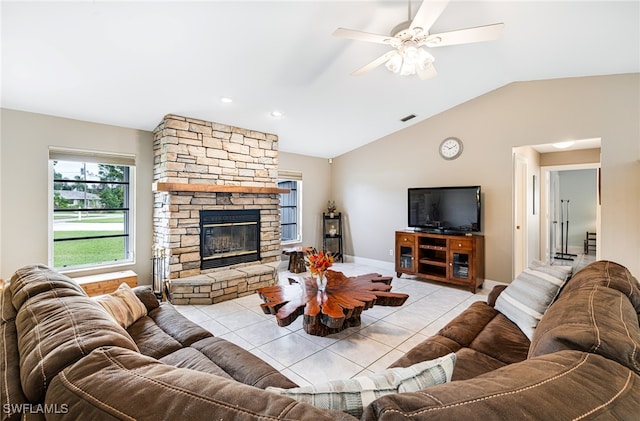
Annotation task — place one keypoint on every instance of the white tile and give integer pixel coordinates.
(380, 312)
(290, 349)
(435, 327)
(196, 316)
(267, 358)
(324, 366)
(221, 309)
(411, 342)
(295, 326)
(411, 320)
(184, 308)
(239, 319)
(323, 341)
(387, 333)
(360, 349)
(214, 327)
(297, 379)
(385, 361)
(232, 337)
(262, 332)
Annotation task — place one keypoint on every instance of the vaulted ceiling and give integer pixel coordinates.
(130, 63)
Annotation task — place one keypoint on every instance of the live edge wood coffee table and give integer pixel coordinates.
(336, 308)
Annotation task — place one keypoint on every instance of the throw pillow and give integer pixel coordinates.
(354, 395)
(123, 305)
(526, 299)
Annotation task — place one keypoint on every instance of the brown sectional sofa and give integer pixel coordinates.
(63, 355)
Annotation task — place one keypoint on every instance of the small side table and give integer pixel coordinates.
(296, 258)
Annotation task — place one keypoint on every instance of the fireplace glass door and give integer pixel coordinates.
(229, 237)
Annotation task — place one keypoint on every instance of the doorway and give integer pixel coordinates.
(570, 223)
(537, 199)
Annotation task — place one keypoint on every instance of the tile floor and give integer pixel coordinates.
(385, 334)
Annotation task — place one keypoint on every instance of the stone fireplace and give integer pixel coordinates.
(204, 171)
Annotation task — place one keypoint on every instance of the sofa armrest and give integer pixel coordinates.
(560, 386)
(495, 292)
(115, 383)
(148, 298)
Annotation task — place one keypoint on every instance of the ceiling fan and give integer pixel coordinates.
(408, 39)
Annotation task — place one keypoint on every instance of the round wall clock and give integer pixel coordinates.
(451, 148)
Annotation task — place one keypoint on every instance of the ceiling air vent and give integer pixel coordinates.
(407, 118)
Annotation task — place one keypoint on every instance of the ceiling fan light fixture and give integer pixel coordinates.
(395, 63)
(410, 52)
(409, 59)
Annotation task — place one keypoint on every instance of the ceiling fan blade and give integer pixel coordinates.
(427, 14)
(375, 63)
(465, 36)
(362, 36)
(427, 73)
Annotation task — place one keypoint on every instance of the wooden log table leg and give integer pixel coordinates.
(296, 262)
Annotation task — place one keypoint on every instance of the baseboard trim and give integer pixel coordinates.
(390, 266)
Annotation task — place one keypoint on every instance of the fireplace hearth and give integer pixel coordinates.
(229, 237)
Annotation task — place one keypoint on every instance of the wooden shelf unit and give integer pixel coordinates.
(332, 234)
(454, 259)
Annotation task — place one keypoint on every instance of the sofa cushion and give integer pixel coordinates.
(479, 333)
(592, 318)
(242, 365)
(561, 386)
(353, 395)
(123, 305)
(30, 281)
(56, 325)
(177, 326)
(151, 340)
(114, 383)
(148, 298)
(607, 274)
(195, 360)
(56, 332)
(526, 299)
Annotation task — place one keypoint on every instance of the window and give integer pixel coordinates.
(290, 220)
(92, 215)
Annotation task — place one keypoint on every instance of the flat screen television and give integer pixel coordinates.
(445, 209)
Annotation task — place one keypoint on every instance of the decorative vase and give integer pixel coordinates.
(321, 282)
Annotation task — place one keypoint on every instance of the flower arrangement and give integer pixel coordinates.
(319, 262)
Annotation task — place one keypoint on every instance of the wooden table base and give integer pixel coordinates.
(336, 308)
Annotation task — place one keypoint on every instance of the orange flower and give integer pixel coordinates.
(319, 261)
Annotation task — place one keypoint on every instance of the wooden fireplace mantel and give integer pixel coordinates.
(214, 188)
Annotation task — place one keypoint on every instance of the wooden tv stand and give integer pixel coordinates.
(454, 259)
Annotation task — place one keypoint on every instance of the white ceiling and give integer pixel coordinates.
(130, 63)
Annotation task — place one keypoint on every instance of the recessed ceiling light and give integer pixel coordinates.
(226, 99)
(276, 114)
(563, 145)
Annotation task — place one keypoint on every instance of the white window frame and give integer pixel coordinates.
(78, 155)
(296, 176)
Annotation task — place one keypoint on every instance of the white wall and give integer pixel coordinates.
(26, 138)
(316, 185)
(371, 182)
